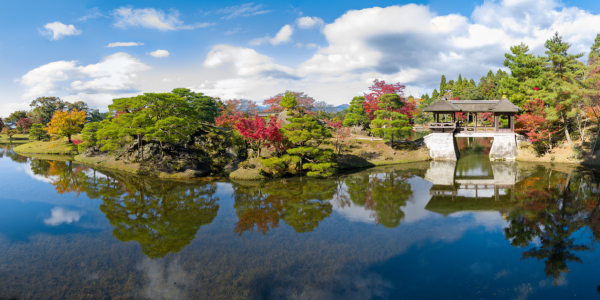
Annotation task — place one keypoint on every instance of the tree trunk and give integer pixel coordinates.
(569, 141)
(69, 137)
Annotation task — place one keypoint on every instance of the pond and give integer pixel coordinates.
(471, 229)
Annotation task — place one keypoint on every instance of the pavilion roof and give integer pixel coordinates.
(443, 105)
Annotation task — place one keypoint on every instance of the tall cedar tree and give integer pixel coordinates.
(592, 83)
(561, 75)
(65, 124)
(525, 70)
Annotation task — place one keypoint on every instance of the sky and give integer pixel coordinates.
(96, 51)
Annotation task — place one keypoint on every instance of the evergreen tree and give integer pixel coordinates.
(561, 74)
(305, 135)
(389, 124)
(443, 85)
(435, 94)
(525, 70)
(356, 115)
(37, 131)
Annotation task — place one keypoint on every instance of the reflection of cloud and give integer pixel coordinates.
(355, 213)
(29, 172)
(524, 291)
(165, 281)
(346, 286)
(501, 274)
(61, 215)
(491, 220)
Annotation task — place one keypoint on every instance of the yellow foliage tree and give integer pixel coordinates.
(66, 123)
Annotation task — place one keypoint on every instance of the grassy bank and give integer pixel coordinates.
(60, 146)
(16, 139)
(562, 154)
(361, 153)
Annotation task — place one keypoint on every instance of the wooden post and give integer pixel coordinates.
(475, 121)
(495, 122)
(512, 123)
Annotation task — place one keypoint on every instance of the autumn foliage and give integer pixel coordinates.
(260, 134)
(65, 123)
(533, 122)
(379, 88)
(234, 110)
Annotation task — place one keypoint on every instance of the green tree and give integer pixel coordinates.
(389, 124)
(206, 108)
(525, 70)
(356, 115)
(95, 115)
(288, 100)
(561, 73)
(45, 107)
(88, 136)
(14, 117)
(37, 132)
(443, 85)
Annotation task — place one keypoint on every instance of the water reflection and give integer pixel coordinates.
(548, 213)
(301, 203)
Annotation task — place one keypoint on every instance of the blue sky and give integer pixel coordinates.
(252, 50)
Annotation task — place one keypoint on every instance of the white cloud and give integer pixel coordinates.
(309, 22)
(307, 46)
(94, 13)
(61, 216)
(244, 10)
(284, 35)
(159, 53)
(115, 74)
(58, 30)
(127, 44)
(246, 62)
(151, 18)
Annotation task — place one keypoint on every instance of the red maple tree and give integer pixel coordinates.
(379, 87)
(234, 110)
(258, 134)
(533, 122)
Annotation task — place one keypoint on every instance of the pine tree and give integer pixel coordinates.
(561, 74)
(525, 69)
(389, 124)
(356, 115)
(305, 135)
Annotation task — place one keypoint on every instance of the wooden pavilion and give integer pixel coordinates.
(447, 109)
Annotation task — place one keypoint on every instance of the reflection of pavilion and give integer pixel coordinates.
(490, 187)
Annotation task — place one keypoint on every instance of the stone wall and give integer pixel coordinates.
(504, 146)
(442, 146)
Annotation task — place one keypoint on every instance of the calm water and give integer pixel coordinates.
(470, 229)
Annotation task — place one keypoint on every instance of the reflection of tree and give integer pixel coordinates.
(6, 150)
(162, 216)
(301, 204)
(384, 193)
(551, 211)
(65, 176)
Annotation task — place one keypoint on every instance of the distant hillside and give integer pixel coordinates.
(341, 107)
